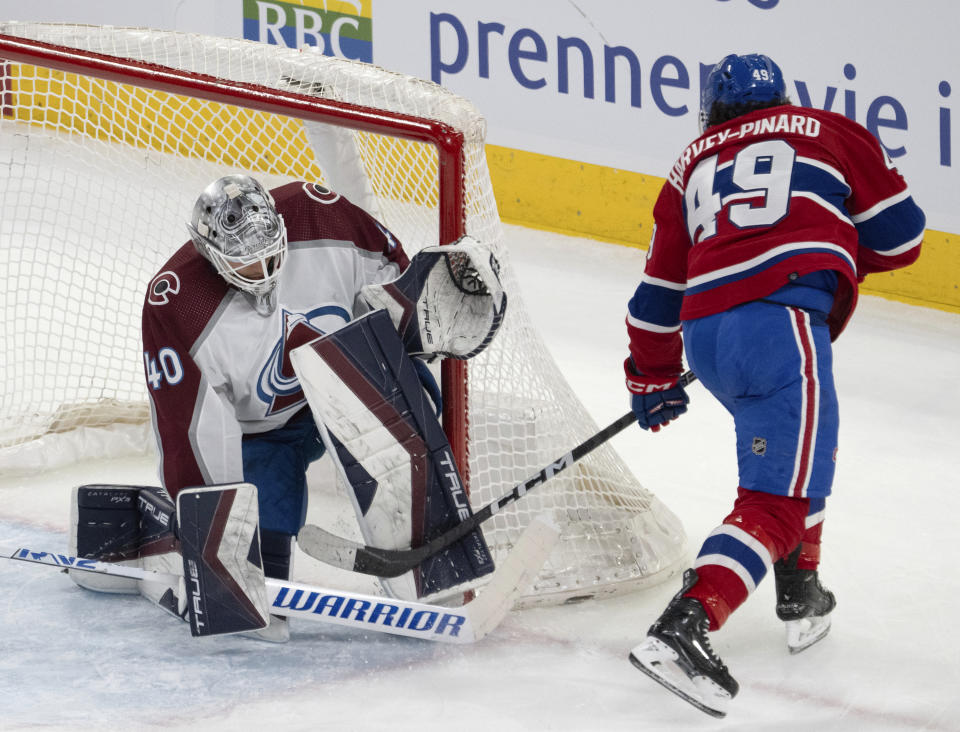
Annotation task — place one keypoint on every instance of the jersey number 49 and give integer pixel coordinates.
(760, 177)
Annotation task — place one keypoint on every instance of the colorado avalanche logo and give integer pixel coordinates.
(277, 385)
(162, 287)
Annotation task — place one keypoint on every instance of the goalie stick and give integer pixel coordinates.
(350, 555)
(465, 624)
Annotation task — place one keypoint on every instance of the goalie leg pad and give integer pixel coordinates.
(156, 521)
(122, 524)
(222, 564)
(105, 525)
(364, 391)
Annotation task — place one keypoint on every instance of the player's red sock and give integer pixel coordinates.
(762, 528)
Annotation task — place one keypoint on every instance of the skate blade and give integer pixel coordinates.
(803, 633)
(658, 661)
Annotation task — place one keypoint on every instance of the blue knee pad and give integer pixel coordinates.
(276, 462)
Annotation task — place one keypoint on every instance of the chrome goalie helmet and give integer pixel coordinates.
(742, 81)
(236, 227)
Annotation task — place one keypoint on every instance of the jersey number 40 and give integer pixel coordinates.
(165, 367)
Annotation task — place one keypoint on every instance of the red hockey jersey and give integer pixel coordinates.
(217, 369)
(758, 202)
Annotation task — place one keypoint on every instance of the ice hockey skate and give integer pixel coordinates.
(677, 654)
(802, 603)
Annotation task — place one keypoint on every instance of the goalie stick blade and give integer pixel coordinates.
(466, 624)
(65, 561)
(515, 575)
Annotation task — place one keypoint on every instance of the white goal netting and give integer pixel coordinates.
(102, 163)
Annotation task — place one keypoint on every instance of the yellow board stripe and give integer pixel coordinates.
(597, 202)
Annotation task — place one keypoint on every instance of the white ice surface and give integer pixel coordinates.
(71, 659)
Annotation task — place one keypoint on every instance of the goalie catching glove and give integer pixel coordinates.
(449, 302)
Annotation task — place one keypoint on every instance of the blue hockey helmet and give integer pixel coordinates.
(736, 80)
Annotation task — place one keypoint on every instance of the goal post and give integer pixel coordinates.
(108, 135)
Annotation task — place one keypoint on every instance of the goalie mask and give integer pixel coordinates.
(237, 229)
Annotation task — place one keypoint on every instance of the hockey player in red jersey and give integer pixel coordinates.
(763, 229)
(264, 273)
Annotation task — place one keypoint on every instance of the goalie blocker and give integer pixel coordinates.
(224, 585)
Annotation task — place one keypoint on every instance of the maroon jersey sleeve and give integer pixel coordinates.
(312, 212)
(180, 302)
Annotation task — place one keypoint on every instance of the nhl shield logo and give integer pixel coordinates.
(759, 446)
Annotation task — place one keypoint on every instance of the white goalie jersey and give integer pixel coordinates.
(217, 369)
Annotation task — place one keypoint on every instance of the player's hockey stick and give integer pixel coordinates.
(465, 624)
(346, 554)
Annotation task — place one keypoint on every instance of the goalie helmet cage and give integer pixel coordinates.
(108, 134)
